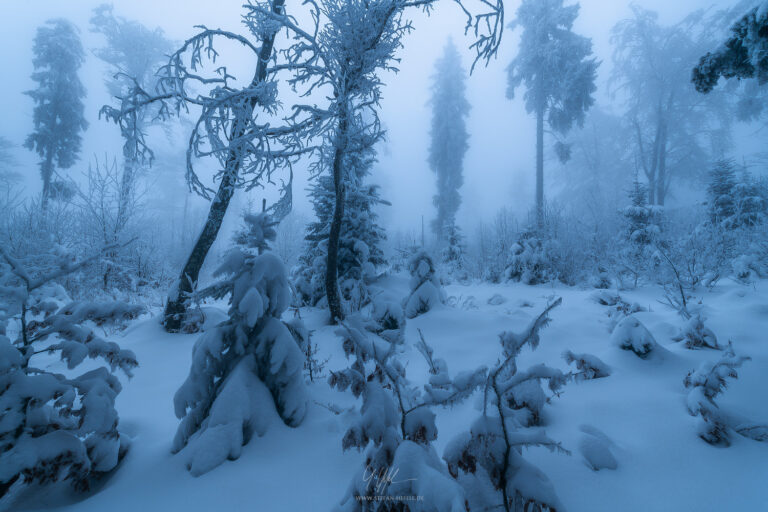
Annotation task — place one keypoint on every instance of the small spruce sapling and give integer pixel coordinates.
(703, 385)
(697, 335)
(489, 455)
(56, 427)
(395, 424)
(631, 334)
(426, 291)
(248, 369)
(589, 366)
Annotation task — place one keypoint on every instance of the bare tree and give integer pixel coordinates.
(233, 125)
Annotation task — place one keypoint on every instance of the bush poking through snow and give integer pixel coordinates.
(249, 368)
(55, 427)
(497, 300)
(696, 335)
(528, 262)
(395, 424)
(631, 334)
(426, 292)
(704, 384)
(589, 366)
(487, 459)
(389, 318)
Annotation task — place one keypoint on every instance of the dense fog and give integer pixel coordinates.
(245, 243)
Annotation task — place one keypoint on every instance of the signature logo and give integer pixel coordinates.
(380, 479)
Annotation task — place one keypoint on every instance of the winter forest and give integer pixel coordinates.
(384, 255)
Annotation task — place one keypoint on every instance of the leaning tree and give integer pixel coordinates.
(235, 124)
(558, 72)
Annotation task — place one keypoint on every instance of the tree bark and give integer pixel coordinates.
(46, 171)
(177, 302)
(331, 268)
(661, 178)
(540, 168)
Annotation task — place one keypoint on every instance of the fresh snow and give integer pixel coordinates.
(637, 415)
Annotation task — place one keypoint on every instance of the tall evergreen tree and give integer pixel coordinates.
(449, 139)
(58, 115)
(558, 72)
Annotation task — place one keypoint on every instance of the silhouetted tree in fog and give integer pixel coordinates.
(134, 53)
(675, 129)
(448, 139)
(58, 115)
(558, 72)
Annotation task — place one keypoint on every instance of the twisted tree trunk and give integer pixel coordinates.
(176, 307)
(331, 268)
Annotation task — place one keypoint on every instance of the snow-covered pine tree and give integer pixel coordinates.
(528, 260)
(56, 426)
(697, 335)
(360, 239)
(395, 425)
(487, 460)
(426, 291)
(453, 252)
(641, 230)
(558, 71)
(358, 41)
(721, 194)
(58, 115)
(703, 385)
(742, 56)
(248, 370)
(751, 197)
(448, 143)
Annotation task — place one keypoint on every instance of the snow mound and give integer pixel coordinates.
(631, 334)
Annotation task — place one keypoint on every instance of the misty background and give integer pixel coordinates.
(498, 168)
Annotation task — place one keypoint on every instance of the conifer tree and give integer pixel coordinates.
(558, 72)
(743, 55)
(58, 115)
(721, 193)
(449, 140)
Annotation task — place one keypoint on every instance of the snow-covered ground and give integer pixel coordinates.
(662, 463)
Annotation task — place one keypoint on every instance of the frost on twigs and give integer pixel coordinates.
(487, 459)
(395, 424)
(249, 369)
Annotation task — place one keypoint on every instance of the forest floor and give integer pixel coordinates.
(662, 464)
